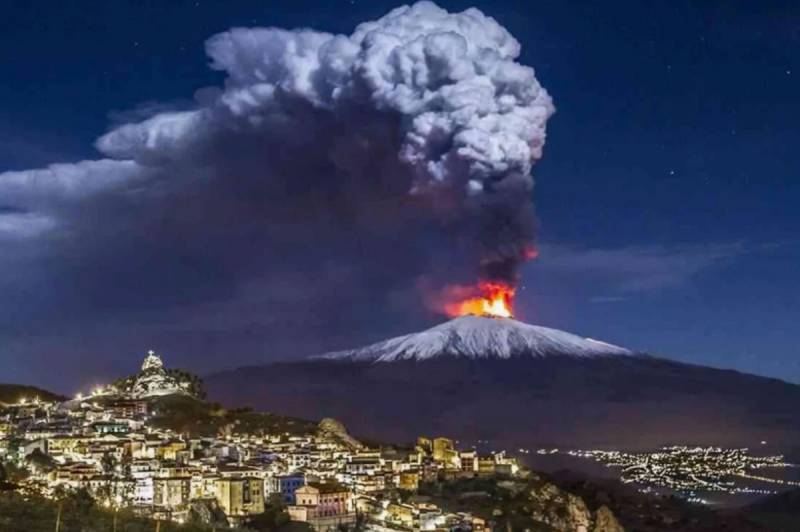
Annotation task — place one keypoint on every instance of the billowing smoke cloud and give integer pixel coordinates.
(400, 151)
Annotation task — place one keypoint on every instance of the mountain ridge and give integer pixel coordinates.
(12, 393)
(521, 385)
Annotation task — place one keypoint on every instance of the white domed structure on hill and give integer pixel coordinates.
(152, 362)
(153, 379)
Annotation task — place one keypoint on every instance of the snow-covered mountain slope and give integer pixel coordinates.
(520, 385)
(480, 337)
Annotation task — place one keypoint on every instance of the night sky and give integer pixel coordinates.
(667, 195)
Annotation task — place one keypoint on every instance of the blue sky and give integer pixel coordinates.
(666, 198)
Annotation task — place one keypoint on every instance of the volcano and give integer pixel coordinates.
(518, 385)
(480, 337)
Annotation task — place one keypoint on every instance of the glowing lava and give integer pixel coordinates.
(495, 300)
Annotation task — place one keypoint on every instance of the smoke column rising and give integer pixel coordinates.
(467, 120)
(410, 140)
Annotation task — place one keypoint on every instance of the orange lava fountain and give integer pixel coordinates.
(495, 301)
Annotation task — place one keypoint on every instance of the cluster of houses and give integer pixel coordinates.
(326, 478)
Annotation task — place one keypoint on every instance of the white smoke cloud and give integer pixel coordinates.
(16, 225)
(47, 188)
(469, 115)
(452, 79)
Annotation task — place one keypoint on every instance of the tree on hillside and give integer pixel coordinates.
(108, 463)
(274, 516)
(5, 485)
(40, 461)
(15, 474)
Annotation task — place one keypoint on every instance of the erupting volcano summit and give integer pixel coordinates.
(492, 299)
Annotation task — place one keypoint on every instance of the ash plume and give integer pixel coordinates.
(410, 140)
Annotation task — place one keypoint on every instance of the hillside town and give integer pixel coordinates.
(108, 443)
